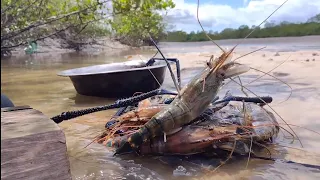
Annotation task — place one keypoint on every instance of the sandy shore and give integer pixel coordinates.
(260, 59)
(300, 65)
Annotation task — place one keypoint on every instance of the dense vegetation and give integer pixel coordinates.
(284, 29)
(23, 21)
(138, 22)
(79, 22)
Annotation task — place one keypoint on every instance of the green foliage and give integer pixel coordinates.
(75, 21)
(96, 30)
(25, 20)
(284, 29)
(134, 20)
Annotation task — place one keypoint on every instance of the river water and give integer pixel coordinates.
(32, 80)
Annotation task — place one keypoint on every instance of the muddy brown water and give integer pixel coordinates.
(32, 80)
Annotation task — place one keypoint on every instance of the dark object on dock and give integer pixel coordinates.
(117, 104)
(123, 103)
(118, 80)
(257, 100)
(32, 146)
(5, 101)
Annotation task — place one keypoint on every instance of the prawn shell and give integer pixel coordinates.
(190, 140)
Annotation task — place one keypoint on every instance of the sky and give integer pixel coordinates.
(217, 15)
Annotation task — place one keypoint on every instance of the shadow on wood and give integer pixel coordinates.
(32, 146)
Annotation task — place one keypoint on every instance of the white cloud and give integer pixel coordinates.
(216, 17)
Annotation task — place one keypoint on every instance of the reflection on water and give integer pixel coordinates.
(33, 81)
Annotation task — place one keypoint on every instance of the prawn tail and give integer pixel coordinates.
(133, 143)
(124, 148)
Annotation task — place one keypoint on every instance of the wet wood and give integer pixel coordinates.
(32, 146)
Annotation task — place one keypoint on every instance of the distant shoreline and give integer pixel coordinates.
(283, 29)
(274, 44)
(248, 39)
(52, 46)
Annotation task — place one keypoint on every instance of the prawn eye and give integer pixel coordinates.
(222, 74)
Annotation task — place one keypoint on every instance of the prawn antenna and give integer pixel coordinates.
(261, 23)
(254, 30)
(250, 53)
(205, 31)
(168, 64)
(267, 73)
(278, 80)
(271, 109)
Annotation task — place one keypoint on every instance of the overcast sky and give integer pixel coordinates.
(217, 15)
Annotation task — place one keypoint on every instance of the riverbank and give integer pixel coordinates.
(109, 46)
(261, 59)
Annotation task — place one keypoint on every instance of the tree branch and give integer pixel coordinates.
(39, 23)
(21, 13)
(48, 21)
(37, 39)
(44, 37)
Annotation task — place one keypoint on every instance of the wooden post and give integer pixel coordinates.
(33, 147)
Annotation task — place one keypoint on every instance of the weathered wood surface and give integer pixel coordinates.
(33, 147)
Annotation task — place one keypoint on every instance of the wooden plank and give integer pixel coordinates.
(25, 122)
(32, 146)
(16, 108)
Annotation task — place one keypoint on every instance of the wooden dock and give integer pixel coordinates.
(33, 147)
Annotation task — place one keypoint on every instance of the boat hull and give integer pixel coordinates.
(116, 83)
(122, 84)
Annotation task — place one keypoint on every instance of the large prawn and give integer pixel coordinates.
(193, 99)
(219, 125)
